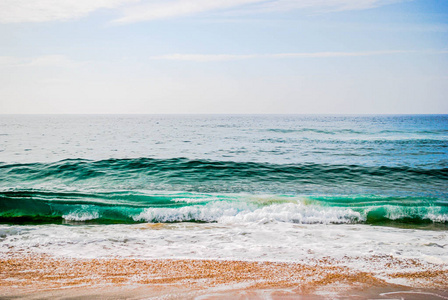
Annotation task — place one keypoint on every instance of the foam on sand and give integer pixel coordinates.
(200, 279)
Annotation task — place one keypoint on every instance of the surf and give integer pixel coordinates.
(129, 207)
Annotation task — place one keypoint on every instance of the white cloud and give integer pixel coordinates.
(16, 11)
(227, 57)
(326, 5)
(204, 57)
(158, 9)
(61, 61)
(10, 61)
(52, 61)
(153, 10)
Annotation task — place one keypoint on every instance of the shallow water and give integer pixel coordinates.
(285, 187)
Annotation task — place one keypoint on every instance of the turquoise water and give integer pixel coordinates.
(381, 170)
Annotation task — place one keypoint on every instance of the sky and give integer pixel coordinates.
(223, 56)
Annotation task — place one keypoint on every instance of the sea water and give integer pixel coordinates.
(255, 187)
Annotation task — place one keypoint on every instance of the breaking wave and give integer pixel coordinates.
(124, 207)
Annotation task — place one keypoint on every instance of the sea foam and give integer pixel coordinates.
(229, 212)
(81, 215)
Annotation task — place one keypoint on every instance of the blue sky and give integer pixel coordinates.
(224, 56)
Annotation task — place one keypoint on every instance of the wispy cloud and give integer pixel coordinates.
(52, 61)
(61, 61)
(16, 11)
(154, 10)
(323, 5)
(228, 57)
(10, 61)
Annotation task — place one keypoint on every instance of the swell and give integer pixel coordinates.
(125, 207)
(356, 132)
(183, 190)
(186, 171)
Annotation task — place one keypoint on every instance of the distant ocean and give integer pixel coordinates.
(274, 187)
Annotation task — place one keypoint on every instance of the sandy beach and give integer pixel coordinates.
(37, 277)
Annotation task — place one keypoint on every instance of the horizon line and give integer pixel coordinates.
(220, 114)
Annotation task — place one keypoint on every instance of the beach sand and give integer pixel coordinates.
(38, 277)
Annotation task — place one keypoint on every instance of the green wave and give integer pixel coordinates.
(224, 176)
(181, 190)
(41, 207)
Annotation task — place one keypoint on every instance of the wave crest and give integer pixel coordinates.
(228, 212)
(36, 207)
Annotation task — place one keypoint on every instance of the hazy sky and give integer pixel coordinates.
(224, 56)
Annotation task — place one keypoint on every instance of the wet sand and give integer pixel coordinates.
(37, 277)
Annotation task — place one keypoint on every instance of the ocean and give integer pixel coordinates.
(281, 188)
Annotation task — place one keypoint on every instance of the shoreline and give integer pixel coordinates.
(42, 276)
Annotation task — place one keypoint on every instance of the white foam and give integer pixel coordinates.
(195, 200)
(296, 213)
(439, 218)
(210, 212)
(349, 244)
(81, 215)
(237, 212)
(433, 213)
